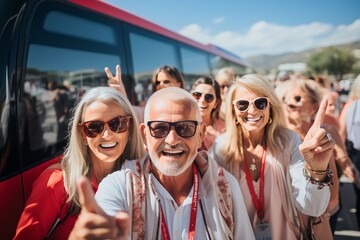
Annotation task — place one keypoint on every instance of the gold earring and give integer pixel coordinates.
(270, 120)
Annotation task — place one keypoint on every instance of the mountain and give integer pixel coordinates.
(264, 63)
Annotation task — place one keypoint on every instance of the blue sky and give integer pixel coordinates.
(252, 27)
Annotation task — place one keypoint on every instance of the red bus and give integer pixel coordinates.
(52, 50)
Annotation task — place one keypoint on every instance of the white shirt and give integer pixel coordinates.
(112, 197)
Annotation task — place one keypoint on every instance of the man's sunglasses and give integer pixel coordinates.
(160, 129)
(260, 103)
(118, 124)
(208, 97)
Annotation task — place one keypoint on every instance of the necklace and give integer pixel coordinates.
(253, 166)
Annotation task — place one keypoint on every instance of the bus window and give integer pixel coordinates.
(80, 27)
(148, 54)
(195, 64)
(61, 64)
(51, 88)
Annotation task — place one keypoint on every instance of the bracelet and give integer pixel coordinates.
(320, 184)
(317, 172)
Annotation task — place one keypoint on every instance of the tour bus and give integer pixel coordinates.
(54, 50)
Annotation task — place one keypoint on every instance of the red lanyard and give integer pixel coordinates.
(194, 206)
(258, 203)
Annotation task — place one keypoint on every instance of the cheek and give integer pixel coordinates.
(152, 143)
(92, 144)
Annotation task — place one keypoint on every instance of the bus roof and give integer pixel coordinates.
(118, 13)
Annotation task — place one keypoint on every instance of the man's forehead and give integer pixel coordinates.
(172, 107)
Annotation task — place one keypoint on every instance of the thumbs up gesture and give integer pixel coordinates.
(318, 145)
(93, 222)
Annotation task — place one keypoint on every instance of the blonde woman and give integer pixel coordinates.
(103, 134)
(277, 180)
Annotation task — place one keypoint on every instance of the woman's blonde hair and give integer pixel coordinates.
(76, 161)
(233, 149)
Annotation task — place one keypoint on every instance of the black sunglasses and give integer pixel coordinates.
(260, 103)
(118, 124)
(208, 97)
(160, 129)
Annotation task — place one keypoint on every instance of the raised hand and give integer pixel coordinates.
(93, 222)
(115, 81)
(318, 145)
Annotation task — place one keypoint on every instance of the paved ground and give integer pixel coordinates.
(347, 228)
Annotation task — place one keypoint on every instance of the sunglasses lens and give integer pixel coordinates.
(185, 129)
(92, 129)
(209, 97)
(196, 95)
(118, 124)
(297, 98)
(242, 105)
(159, 129)
(261, 103)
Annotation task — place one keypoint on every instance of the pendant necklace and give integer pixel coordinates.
(253, 166)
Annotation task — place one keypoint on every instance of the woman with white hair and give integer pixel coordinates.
(103, 134)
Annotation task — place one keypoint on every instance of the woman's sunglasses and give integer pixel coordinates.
(160, 129)
(208, 96)
(260, 103)
(118, 124)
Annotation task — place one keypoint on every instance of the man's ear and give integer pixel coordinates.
(142, 129)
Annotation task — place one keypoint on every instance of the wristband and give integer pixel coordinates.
(320, 184)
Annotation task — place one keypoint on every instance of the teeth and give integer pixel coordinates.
(253, 119)
(108, 145)
(173, 151)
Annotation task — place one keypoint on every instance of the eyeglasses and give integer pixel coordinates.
(160, 129)
(208, 96)
(260, 103)
(118, 124)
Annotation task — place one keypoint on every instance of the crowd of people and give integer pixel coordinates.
(233, 158)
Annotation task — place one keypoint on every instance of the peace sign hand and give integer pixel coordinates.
(93, 222)
(116, 81)
(318, 145)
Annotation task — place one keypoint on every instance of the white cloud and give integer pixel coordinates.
(268, 38)
(219, 20)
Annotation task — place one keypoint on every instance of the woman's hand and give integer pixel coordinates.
(318, 145)
(115, 81)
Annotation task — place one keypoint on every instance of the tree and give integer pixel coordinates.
(333, 61)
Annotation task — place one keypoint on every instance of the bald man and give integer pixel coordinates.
(174, 192)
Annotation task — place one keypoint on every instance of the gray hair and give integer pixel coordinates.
(76, 161)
